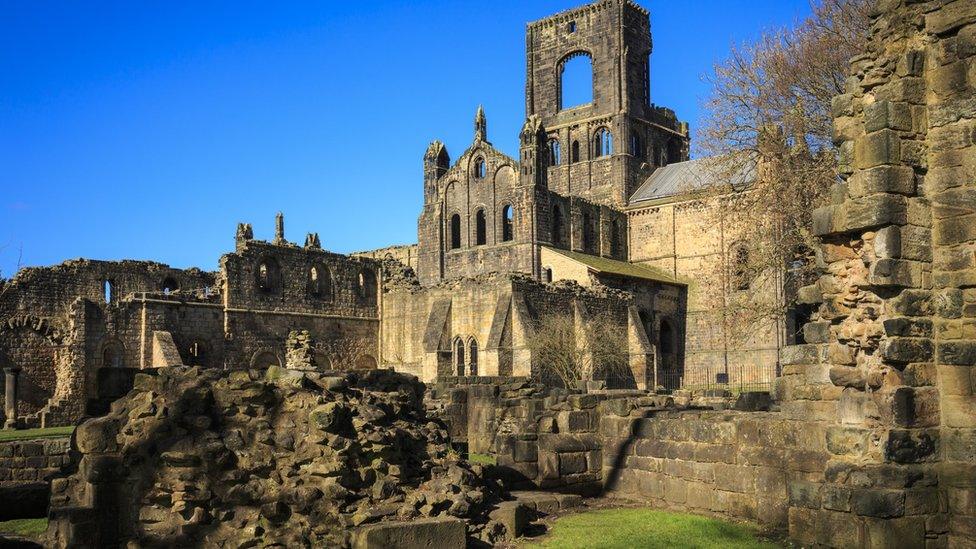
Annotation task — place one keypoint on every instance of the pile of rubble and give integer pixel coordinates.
(256, 458)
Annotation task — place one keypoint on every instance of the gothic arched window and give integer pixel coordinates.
(507, 223)
(554, 153)
(480, 169)
(557, 225)
(481, 236)
(455, 231)
(603, 143)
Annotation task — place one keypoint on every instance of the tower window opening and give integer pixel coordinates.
(554, 152)
(603, 144)
(575, 80)
(507, 223)
(575, 152)
(480, 229)
(455, 231)
(108, 291)
(479, 168)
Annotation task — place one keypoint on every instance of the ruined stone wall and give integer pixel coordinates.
(334, 297)
(691, 240)
(406, 254)
(59, 323)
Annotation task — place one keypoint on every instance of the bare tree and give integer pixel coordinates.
(769, 117)
(571, 350)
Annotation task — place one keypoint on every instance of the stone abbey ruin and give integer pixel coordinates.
(306, 398)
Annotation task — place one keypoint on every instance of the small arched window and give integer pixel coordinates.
(740, 268)
(267, 275)
(367, 282)
(603, 143)
(666, 339)
(108, 291)
(481, 236)
(480, 170)
(587, 232)
(507, 223)
(170, 286)
(473, 357)
(196, 354)
(636, 146)
(112, 356)
(574, 153)
(319, 281)
(571, 27)
(555, 155)
(455, 231)
(557, 225)
(459, 357)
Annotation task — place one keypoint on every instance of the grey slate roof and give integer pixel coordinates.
(691, 176)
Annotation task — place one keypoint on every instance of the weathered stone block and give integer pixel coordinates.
(911, 446)
(848, 441)
(906, 349)
(446, 533)
(804, 494)
(877, 148)
(957, 353)
(572, 463)
(887, 115)
(878, 503)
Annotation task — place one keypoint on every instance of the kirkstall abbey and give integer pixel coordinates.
(600, 215)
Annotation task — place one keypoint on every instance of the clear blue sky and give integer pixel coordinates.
(147, 130)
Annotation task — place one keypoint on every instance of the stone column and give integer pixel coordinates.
(10, 396)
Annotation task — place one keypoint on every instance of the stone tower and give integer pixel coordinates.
(602, 150)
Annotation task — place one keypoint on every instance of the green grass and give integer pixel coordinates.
(650, 529)
(481, 459)
(28, 434)
(28, 528)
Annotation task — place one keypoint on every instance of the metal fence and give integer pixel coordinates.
(734, 378)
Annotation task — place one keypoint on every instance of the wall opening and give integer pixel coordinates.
(108, 291)
(666, 342)
(554, 153)
(455, 231)
(459, 356)
(602, 143)
(481, 236)
(587, 232)
(740, 268)
(614, 238)
(574, 155)
(576, 80)
(480, 170)
(473, 358)
(367, 284)
(557, 225)
(196, 354)
(112, 356)
(267, 274)
(169, 286)
(636, 145)
(508, 216)
(547, 274)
